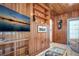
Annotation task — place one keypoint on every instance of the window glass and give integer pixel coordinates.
(74, 29)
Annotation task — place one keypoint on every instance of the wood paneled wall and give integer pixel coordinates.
(38, 41)
(22, 8)
(60, 36)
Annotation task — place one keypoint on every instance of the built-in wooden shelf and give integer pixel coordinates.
(42, 13)
(35, 9)
(14, 47)
(43, 6)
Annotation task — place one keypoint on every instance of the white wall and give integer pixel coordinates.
(51, 25)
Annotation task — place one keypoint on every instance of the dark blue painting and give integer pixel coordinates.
(13, 21)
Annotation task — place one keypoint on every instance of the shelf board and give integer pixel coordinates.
(8, 53)
(43, 6)
(41, 17)
(13, 41)
(22, 54)
(40, 11)
(22, 47)
(22, 39)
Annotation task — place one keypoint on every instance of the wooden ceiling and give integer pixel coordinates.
(59, 8)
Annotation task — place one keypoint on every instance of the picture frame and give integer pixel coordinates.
(42, 29)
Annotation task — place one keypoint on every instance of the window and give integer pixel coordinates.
(74, 29)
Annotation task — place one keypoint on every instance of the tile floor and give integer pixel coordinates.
(70, 52)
